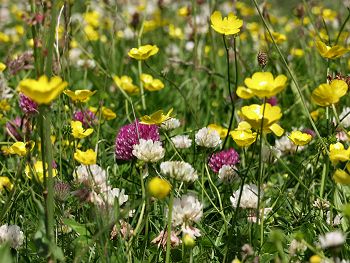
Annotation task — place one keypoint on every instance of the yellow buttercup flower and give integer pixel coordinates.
(79, 95)
(298, 52)
(254, 114)
(91, 33)
(108, 114)
(4, 105)
(156, 118)
(78, 131)
(5, 183)
(341, 176)
(150, 83)
(159, 187)
(125, 83)
(38, 171)
(330, 52)
(2, 67)
(175, 32)
(229, 25)
(243, 134)
(244, 92)
(221, 130)
(183, 11)
(328, 94)
(300, 138)
(143, 52)
(88, 157)
(262, 84)
(278, 37)
(92, 18)
(19, 148)
(43, 90)
(338, 153)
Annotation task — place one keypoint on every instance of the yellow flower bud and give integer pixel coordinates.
(159, 187)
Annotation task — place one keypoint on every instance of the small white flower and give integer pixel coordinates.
(182, 141)
(92, 175)
(12, 235)
(148, 151)
(336, 220)
(285, 145)
(207, 138)
(189, 45)
(193, 232)
(107, 198)
(227, 173)
(249, 197)
(181, 171)
(296, 247)
(270, 154)
(186, 209)
(332, 239)
(170, 124)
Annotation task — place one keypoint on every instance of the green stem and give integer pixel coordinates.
(47, 159)
(140, 69)
(342, 27)
(219, 197)
(168, 241)
(51, 38)
(229, 84)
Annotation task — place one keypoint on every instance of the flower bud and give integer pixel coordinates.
(159, 187)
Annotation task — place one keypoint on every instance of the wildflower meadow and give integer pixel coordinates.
(174, 131)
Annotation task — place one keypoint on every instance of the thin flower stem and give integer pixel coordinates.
(141, 217)
(140, 68)
(229, 84)
(219, 197)
(303, 102)
(168, 241)
(260, 171)
(47, 160)
(342, 27)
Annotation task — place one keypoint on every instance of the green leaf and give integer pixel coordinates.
(5, 254)
(77, 227)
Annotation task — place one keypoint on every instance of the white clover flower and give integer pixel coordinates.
(249, 197)
(345, 117)
(285, 145)
(181, 171)
(296, 247)
(332, 239)
(186, 210)
(270, 154)
(193, 232)
(170, 124)
(207, 138)
(148, 151)
(227, 173)
(92, 175)
(12, 235)
(336, 220)
(182, 141)
(108, 197)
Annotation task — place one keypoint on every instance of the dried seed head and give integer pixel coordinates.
(262, 58)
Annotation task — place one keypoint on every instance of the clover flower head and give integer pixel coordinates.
(225, 157)
(148, 150)
(130, 134)
(28, 106)
(207, 137)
